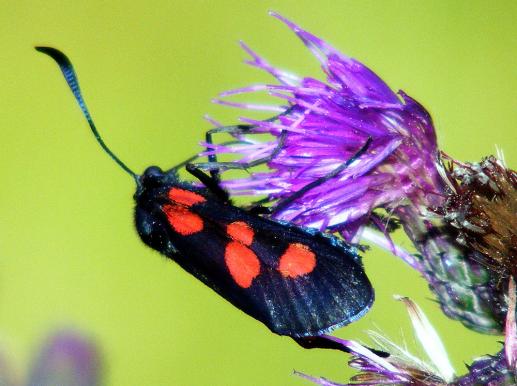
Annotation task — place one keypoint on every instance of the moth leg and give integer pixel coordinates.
(209, 181)
(216, 167)
(212, 181)
(196, 156)
(282, 204)
(257, 207)
(325, 343)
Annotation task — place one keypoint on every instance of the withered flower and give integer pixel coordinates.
(482, 206)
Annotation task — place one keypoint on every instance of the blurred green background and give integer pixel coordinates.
(69, 252)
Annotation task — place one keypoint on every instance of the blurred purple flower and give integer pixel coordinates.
(66, 359)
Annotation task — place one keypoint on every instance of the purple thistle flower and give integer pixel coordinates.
(325, 125)
(320, 126)
(491, 370)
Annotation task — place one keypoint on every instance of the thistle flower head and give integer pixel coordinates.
(404, 368)
(321, 126)
(401, 367)
(315, 176)
(482, 206)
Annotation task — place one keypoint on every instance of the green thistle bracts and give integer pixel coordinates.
(465, 289)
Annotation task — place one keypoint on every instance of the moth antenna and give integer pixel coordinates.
(71, 79)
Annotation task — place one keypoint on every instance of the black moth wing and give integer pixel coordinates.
(335, 293)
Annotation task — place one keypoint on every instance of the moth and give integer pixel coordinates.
(297, 281)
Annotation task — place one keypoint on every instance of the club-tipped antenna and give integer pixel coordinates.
(71, 79)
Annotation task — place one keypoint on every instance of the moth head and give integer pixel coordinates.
(152, 177)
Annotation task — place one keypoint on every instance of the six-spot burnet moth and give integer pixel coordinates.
(298, 282)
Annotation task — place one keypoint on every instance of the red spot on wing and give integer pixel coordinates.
(240, 231)
(297, 260)
(185, 197)
(182, 220)
(243, 264)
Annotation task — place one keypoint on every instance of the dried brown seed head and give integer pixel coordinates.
(482, 206)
